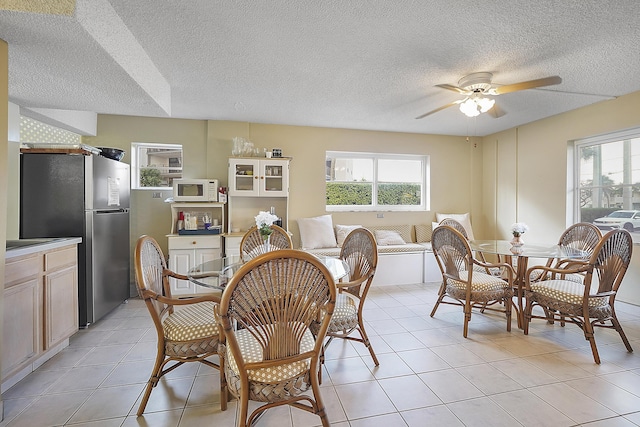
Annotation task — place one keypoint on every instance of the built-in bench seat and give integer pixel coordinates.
(389, 249)
(398, 264)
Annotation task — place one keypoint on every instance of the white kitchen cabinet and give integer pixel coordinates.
(250, 177)
(232, 244)
(255, 184)
(186, 252)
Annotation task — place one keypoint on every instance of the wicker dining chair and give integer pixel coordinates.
(187, 330)
(266, 311)
(582, 236)
(360, 252)
(589, 303)
(455, 225)
(253, 244)
(459, 227)
(463, 285)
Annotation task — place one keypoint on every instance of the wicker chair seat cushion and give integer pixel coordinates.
(484, 288)
(535, 276)
(566, 291)
(252, 352)
(191, 322)
(345, 314)
(482, 282)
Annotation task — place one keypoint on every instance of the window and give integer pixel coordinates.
(155, 166)
(367, 181)
(608, 178)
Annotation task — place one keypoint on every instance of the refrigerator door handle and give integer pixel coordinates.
(111, 211)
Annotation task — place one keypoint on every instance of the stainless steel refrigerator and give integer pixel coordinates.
(63, 195)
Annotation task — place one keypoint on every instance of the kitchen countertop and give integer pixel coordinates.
(16, 248)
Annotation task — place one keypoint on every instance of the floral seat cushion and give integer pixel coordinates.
(191, 322)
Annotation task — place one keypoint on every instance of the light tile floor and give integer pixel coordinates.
(428, 375)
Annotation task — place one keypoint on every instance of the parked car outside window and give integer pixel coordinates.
(629, 220)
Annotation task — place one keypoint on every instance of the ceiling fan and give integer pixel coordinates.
(476, 86)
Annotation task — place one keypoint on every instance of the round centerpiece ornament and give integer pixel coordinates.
(518, 229)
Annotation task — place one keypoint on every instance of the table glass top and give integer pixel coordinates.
(504, 247)
(217, 272)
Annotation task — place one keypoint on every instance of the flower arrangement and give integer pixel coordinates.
(264, 220)
(519, 228)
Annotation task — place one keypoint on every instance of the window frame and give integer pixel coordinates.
(424, 184)
(136, 167)
(599, 140)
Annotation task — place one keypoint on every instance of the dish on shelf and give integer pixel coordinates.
(111, 153)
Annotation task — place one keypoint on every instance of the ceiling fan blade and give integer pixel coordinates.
(453, 88)
(496, 111)
(451, 104)
(531, 84)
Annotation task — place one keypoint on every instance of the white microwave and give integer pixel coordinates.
(195, 190)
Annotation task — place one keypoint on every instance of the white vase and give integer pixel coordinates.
(517, 241)
(267, 244)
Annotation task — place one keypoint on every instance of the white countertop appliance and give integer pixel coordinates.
(195, 190)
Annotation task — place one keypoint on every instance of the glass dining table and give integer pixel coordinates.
(507, 252)
(216, 273)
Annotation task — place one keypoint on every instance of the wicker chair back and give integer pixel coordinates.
(583, 236)
(455, 225)
(468, 282)
(253, 244)
(266, 312)
(591, 303)
(190, 334)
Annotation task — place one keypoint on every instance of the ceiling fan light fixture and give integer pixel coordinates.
(469, 108)
(476, 85)
(474, 105)
(485, 104)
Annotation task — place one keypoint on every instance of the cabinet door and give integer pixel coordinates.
(244, 177)
(60, 305)
(274, 178)
(180, 261)
(186, 252)
(232, 245)
(21, 331)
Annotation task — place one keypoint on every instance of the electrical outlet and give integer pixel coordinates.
(157, 195)
(380, 215)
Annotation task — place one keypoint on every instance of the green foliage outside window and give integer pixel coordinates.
(399, 194)
(150, 178)
(339, 193)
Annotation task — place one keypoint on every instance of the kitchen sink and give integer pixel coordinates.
(15, 244)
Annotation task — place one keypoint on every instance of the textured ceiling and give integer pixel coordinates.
(359, 64)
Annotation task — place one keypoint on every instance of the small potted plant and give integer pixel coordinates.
(264, 221)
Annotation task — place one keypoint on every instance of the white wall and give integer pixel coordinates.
(531, 166)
